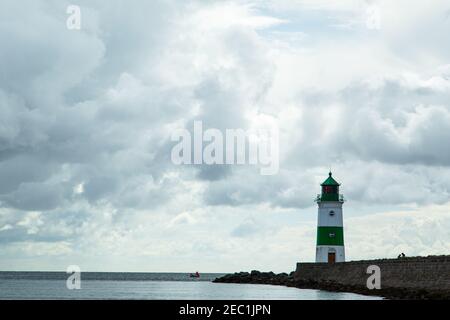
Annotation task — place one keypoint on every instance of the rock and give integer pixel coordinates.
(257, 277)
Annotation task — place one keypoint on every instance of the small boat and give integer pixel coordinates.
(194, 275)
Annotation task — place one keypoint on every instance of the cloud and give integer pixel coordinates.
(415, 232)
(86, 119)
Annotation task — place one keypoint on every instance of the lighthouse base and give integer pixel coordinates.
(330, 254)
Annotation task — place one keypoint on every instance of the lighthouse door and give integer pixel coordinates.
(331, 257)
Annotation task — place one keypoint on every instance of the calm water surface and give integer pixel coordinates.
(150, 286)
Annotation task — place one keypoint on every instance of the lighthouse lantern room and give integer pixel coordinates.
(330, 230)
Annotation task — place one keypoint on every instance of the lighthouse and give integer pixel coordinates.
(330, 230)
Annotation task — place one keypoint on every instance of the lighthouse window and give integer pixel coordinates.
(330, 189)
(331, 213)
(332, 235)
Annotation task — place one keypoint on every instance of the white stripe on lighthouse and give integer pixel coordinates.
(322, 253)
(330, 214)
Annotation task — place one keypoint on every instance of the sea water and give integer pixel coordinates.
(150, 286)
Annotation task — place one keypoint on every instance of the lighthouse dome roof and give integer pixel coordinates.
(330, 181)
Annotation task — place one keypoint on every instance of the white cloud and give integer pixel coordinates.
(86, 119)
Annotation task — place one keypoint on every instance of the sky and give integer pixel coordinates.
(86, 118)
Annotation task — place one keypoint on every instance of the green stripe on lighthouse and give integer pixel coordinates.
(331, 236)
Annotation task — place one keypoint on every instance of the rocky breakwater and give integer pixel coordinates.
(257, 277)
(410, 278)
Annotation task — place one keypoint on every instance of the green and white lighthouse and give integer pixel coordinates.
(330, 230)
